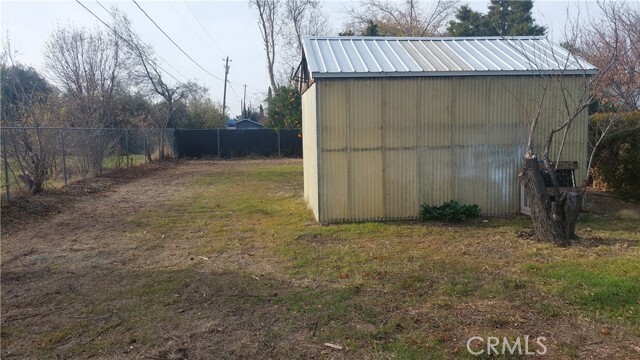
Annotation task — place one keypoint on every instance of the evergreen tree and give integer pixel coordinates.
(371, 30)
(505, 18)
(469, 23)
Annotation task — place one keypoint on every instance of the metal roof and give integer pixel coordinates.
(438, 56)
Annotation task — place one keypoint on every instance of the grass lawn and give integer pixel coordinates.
(235, 261)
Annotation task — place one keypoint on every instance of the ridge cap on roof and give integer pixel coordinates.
(430, 38)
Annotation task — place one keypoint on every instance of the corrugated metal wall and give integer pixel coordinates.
(310, 148)
(388, 145)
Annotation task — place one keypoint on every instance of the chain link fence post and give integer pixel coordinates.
(6, 164)
(64, 158)
(126, 146)
(144, 131)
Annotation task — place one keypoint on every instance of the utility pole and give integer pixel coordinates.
(244, 102)
(224, 96)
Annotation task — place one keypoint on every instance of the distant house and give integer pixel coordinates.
(391, 123)
(248, 124)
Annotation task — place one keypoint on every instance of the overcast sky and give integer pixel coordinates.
(230, 29)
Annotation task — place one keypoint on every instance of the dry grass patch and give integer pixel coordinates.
(223, 259)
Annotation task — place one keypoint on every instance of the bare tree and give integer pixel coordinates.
(554, 215)
(305, 18)
(619, 28)
(404, 18)
(88, 65)
(615, 33)
(149, 74)
(270, 23)
(301, 18)
(29, 103)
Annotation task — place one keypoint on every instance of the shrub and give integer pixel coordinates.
(449, 211)
(616, 163)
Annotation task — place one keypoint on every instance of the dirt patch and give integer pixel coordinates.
(27, 209)
(78, 280)
(600, 202)
(83, 275)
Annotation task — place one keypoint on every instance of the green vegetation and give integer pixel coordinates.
(235, 257)
(504, 18)
(616, 161)
(373, 273)
(606, 287)
(449, 211)
(285, 109)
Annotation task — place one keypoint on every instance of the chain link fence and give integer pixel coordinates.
(35, 158)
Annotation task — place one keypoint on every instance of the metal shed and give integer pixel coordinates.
(392, 123)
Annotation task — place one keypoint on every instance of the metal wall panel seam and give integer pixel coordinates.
(483, 46)
(540, 60)
(321, 58)
(505, 55)
(550, 52)
(385, 57)
(418, 186)
(318, 152)
(346, 56)
(460, 57)
(436, 57)
(355, 50)
(447, 56)
(514, 52)
(404, 55)
(395, 54)
(473, 57)
(333, 55)
(415, 48)
(383, 108)
(348, 154)
(310, 55)
(373, 58)
(454, 130)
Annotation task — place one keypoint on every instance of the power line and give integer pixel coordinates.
(191, 28)
(137, 37)
(205, 29)
(234, 91)
(121, 37)
(174, 43)
(255, 91)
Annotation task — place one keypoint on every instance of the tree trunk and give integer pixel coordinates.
(553, 220)
(161, 145)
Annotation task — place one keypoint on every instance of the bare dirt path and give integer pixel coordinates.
(89, 214)
(80, 278)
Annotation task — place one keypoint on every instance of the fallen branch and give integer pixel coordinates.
(333, 346)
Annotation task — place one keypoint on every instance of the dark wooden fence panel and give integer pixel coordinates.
(226, 143)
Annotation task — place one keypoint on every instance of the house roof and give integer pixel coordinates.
(441, 56)
(248, 121)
